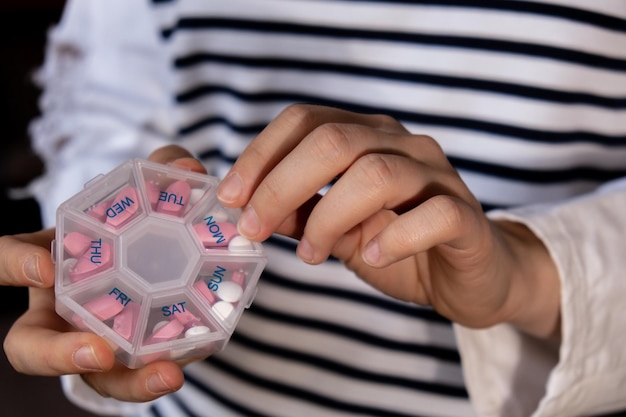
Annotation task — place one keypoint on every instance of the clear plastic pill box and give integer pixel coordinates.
(147, 258)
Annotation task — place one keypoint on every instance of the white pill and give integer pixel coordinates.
(219, 216)
(197, 331)
(195, 195)
(229, 291)
(159, 325)
(223, 309)
(240, 244)
(68, 265)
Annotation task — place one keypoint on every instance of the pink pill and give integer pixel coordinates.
(104, 307)
(239, 277)
(168, 331)
(174, 199)
(76, 244)
(215, 234)
(125, 322)
(187, 319)
(98, 211)
(123, 207)
(202, 288)
(97, 258)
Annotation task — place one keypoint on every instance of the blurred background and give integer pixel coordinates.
(23, 28)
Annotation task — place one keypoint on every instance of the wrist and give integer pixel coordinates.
(534, 299)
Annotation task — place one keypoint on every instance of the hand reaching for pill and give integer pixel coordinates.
(398, 214)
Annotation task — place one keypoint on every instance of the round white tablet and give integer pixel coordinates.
(219, 216)
(197, 331)
(223, 309)
(240, 244)
(195, 195)
(229, 291)
(69, 264)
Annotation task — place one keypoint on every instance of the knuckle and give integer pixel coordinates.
(272, 188)
(95, 382)
(404, 237)
(386, 122)
(377, 170)
(10, 352)
(299, 114)
(332, 143)
(53, 363)
(168, 153)
(255, 151)
(4, 240)
(448, 210)
(428, 145)
(6, 243)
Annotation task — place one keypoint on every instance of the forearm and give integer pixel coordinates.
(580, 373)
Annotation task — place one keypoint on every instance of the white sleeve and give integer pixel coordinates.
(105, 99)
(511, 374)
(81, 394)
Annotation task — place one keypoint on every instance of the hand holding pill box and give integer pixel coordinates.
(147, 258)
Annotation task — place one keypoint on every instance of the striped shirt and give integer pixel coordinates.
(528, 100)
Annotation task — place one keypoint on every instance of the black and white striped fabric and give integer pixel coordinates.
(528, 99)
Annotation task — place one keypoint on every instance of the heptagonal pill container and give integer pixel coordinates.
(147, 258)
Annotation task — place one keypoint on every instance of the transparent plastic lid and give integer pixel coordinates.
(147, 258)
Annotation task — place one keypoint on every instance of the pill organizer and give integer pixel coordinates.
(147, 258)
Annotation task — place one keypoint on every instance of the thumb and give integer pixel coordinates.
(25, 259)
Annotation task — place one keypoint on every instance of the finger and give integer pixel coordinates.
(40, 343)
(441, 220)
(145, 384)
(373, 183)
(178, 157)
(293, 226)
(279, 138)
(323, 155)
(25, 259)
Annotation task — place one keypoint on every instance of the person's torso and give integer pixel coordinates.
(527, 99)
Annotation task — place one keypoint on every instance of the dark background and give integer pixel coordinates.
(23, 28)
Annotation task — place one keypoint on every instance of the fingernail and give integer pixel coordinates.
(85, 359)
(31, 270)
(157, 385)
(249, 225)
(305, 250)
(371, 253)
(230, 188)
